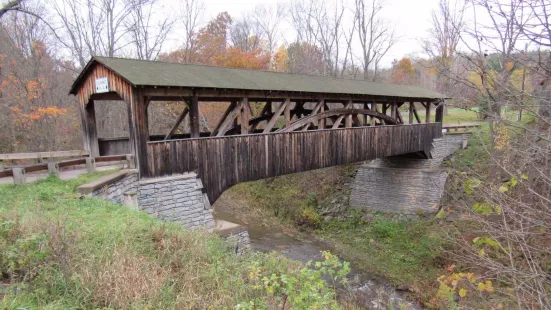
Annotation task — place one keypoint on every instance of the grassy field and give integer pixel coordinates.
(455, 116)
(61, 251)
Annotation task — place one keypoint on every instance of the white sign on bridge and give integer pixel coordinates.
(102, 85)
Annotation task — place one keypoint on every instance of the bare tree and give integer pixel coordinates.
(95, 27)
(322, 24)
(246, 35)
(441, 46)
(190, 14)
(268, 20)
(375, 36)
(10, 6)
(148, 35)
(511, 202)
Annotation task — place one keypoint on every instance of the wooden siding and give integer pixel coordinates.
(118, 87)
(114, 146)
(222, 162)
(116, 84)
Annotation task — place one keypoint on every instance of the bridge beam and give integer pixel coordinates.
(245, 115)
(410, 110)
(439, 117)
(373, 108)
(89, 128)
(184, 113)
(194, 123)
(427, 115)
(276, 115)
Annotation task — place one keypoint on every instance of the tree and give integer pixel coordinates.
(13, 5)
(212, 40)
(190, 13)
(304, 58)
(403, 72)
(246, 36)
(146, 35)
(268, 20)
(375, 36)
(281, 60)
(33, 97)
(322, 24)
(511, 201)
(441, 46)
(106, 27)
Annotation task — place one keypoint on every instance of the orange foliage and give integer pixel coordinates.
(236, 58)
(403, 72)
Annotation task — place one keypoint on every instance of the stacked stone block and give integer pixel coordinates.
(240, 241)
(177, 198)
(114, 191)
(405, 185)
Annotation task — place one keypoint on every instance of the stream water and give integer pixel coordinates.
(368, 291)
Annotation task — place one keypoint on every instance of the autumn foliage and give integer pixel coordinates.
(33, 99)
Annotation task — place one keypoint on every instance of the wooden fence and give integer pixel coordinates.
(128, 159)
(222, 162)
(450, 128)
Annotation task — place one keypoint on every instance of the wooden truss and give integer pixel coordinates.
(286, 115)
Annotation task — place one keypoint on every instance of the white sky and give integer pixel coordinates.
(411, 19)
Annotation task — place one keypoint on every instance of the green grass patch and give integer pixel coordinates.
(454, 116)
(296, 197)
(476, 155)
(405, 251)
(62, 251)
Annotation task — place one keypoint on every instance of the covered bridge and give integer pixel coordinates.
(304, 122)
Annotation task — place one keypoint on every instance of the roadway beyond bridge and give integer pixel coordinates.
(298, 123)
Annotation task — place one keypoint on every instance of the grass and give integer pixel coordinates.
(61, 251)
(407, 252)
(454, 116)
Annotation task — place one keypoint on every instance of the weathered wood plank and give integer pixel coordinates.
(194, 117)
(245, 115)
(222, 162)
(41, 155)
(181, 117)
(276, 115)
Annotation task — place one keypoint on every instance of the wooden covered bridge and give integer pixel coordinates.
(305, 123)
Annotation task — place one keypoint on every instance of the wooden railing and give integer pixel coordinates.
(450, 128)
(222, 162)
(43, 155)
(8, 172)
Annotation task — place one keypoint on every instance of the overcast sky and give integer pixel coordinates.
(411, 18)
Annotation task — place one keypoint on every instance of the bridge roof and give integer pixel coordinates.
(165, 74)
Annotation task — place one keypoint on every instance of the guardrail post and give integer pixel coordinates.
(18, 175)
(90, 165)
(53, 169)
(130, 162)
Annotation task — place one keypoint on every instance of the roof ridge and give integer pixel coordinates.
(256, 70)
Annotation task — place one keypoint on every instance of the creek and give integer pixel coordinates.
(368, 291)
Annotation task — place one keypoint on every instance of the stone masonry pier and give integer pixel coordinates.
(405, 185)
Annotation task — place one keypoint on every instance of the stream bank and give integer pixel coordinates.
(367, 291)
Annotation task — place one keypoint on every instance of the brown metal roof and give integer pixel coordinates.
(164, 74)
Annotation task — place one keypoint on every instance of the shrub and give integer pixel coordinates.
(309, 218)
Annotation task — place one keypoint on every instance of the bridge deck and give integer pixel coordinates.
(222, 162)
